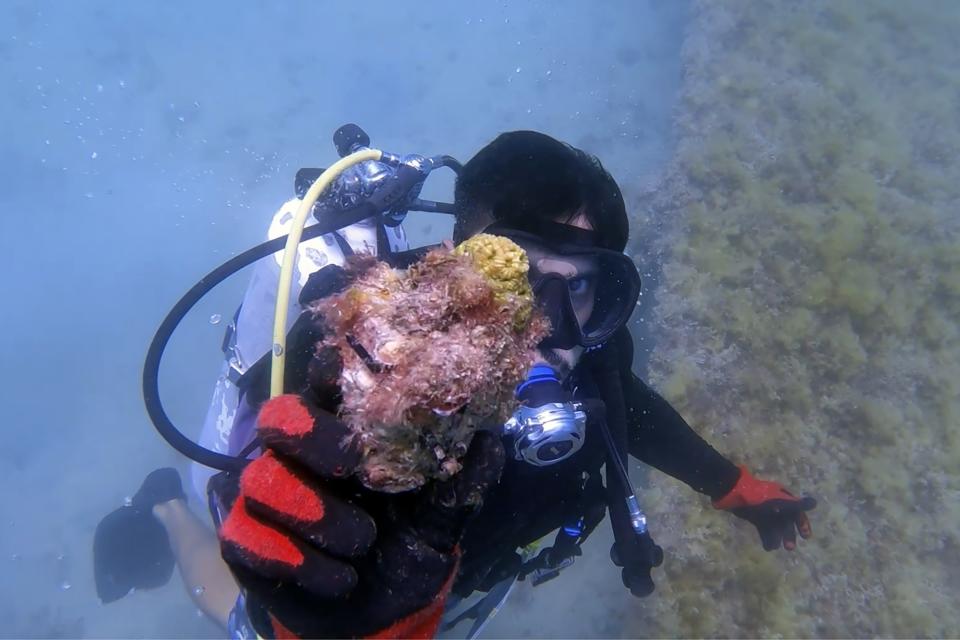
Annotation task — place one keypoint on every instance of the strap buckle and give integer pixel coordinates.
(546, 574)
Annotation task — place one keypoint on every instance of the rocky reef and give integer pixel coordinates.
(806, 320)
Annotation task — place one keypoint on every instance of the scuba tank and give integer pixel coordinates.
(248, 337)
(369, 194)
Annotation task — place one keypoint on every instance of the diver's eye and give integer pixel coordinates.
(578, 285)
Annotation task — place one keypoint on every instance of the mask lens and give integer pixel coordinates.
(599, 293)
(614, 298)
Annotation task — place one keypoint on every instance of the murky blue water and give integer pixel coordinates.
(144, 144)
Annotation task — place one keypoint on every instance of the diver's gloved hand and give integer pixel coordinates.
(319, 555)
(638, 557)
(776, 513)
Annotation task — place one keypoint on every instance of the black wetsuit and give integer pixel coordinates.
(530, 502)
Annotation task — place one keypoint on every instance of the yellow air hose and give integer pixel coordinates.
(290, 255)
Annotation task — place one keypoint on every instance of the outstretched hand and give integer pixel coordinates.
(777, 514)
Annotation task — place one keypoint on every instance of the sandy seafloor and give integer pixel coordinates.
(143, 143)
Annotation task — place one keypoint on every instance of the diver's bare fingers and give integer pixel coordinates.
(789, 536)
(803, 526)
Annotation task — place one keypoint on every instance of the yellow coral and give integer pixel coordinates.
(505, 265)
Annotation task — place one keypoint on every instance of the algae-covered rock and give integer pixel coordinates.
(808, 225)
(431, 353)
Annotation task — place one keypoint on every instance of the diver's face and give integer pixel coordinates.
(580, 273)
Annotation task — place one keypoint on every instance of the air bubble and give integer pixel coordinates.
(128, 501)
(65, 586)
(198, 591)
(215, 318)
(277, 349)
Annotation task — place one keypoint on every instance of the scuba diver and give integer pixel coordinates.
(315, 555)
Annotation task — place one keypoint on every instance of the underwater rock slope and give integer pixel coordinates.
(806, 322)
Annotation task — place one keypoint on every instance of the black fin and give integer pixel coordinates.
(131, 549)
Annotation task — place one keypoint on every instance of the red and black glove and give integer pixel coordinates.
(318, 555)
(776, 513)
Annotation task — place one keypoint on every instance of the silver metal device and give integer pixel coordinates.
(547, 434)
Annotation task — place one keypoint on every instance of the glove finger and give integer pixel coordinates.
(323, 377)
(770, 536)
(444, 507)
(803, 525)
(255, 548)
(794, 512)
(481, 469)
(302, 431)
(795, 505)
(280, 494)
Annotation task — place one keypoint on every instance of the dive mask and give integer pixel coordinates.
(587, 292)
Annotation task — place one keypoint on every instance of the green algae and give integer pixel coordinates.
(806, 318)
